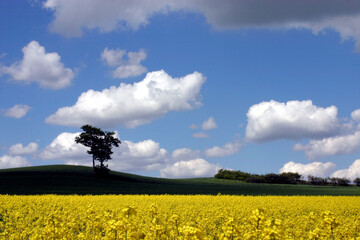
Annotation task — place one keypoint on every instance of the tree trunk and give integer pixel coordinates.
(93, 165)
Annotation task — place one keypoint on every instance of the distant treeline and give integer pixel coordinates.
(282, 178)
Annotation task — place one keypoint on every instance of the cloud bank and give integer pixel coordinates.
(131, 105)
(269, 121)
(338, 145)
(350, 173)
(38, 66)
(144, 155)
(19, 149)
(129, 156)
(188, 169)
(141, 156)
(184, 154)
(63, 147)
(317, 169)
(319, 16)
(323, 170)
(7, 161)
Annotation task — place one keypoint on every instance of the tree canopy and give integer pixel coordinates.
(100, 143)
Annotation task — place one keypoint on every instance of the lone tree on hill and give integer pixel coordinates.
(100, 143)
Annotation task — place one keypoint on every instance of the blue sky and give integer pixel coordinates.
(190, 87)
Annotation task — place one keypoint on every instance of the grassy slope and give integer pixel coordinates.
(64, 179)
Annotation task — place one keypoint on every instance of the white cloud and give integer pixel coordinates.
(227, 149)
(350, 173)
(124, 68)
(129, 156)
(141, 156)
(131, 105)
(19, 149)
(113, 57)
(184, 154)
(356, 115)
(144, 155)
(63, 147)
(7, 161)
(17, 111)
(268, 121)
(209, 124)
(129, 70)
(39, 66)
(105, 16)
(331, 146)
(341, 16)
(188, 169)
(200, 135)
(317, 169)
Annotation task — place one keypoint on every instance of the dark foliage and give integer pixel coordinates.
(328, 181)
(317, 180)
(254, 178)
(357, 181)
(291, 177)
(283, 178)
(100, 143)
(339, 181)
(233, 175)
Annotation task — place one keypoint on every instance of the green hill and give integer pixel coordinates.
(66, 179)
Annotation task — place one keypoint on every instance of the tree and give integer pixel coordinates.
(357, 181)
(291, 177)
(100, 143)
(339, 181)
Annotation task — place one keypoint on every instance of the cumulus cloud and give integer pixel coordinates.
(141, 156)
(350, 173)
(131, 105)
(144, 155)
(227, 149)
(209, 124)
(200, 135)
(268, 121)
(124, 68)
(185, 154)
(317, 169)
(17, 111)
(129, 156)
(19, 149)
(41, 67)
(63, 147)
(331, 146)
(188, 169)
(356, 115)
(7, 161)
(340, 16)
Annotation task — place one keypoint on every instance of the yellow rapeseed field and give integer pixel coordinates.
(178, 217)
